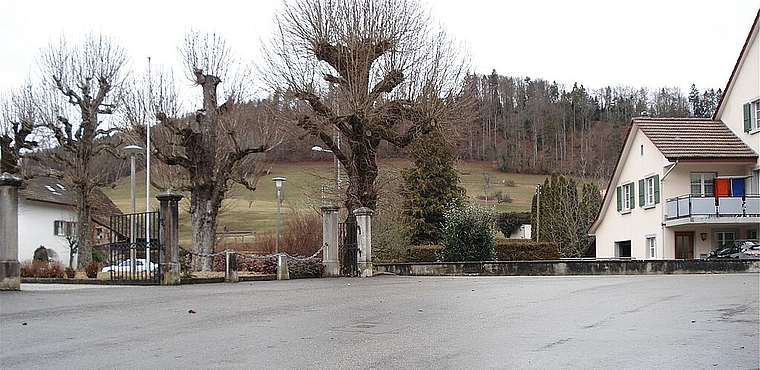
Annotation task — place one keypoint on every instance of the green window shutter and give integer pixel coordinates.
(633, 196)
(619, 199)
(747, 117)
(656, 189)
(642, 200)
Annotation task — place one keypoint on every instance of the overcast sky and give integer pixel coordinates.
(642, 43)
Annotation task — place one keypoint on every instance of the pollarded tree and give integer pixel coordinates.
(368, 70)
(84, 83)
(18, 127)
(216, 145)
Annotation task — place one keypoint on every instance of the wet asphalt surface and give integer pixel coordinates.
(390, 322)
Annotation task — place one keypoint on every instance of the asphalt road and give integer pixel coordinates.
(390, 322)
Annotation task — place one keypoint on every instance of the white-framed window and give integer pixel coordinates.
(625, 200)
(651, 246)
(64, 228)
(649, 191)
(623, 249)
(752, 116)
(723, 237)
(702, 184)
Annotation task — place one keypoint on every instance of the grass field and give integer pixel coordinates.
(245, 211)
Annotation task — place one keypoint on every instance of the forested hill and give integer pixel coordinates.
(527, 125)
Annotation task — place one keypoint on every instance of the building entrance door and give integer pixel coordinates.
(685, 246)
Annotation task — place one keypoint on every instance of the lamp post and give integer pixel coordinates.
(132, 150)
(278, 184)
(538, 212)
(336, 165)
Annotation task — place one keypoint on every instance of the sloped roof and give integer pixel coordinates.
(57, 191)
(694, 139)
(48, 190)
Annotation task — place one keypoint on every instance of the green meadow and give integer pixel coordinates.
(308, 185)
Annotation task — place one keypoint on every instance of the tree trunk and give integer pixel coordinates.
(204, 218)
(84, 234)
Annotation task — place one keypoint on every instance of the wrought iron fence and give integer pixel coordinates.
(348, 249)
(134, 251)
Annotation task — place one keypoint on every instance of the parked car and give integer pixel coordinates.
(733, 249)
(125, 266)
(751, 253)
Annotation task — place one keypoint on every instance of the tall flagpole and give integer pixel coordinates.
(147, 170)
(151, 115)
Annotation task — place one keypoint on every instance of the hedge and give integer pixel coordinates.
(525, 250)
(422, 253)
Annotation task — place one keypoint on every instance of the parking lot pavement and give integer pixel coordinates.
(390, 322)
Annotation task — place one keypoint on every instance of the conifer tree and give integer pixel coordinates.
(430, 186)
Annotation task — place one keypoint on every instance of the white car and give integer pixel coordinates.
(140, 266)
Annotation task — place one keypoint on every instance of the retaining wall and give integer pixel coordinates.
(561, 268)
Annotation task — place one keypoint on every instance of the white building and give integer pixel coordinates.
(684, 186)
(47, 215)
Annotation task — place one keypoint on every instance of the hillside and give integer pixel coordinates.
(256, 211)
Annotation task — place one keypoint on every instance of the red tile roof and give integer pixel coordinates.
(694, 139)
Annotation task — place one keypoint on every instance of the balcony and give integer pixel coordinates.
(692, 208)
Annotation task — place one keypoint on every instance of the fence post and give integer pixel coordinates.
(330, 240)
(230, 271)
(364, 240)
(282, 267)
(169, 230)
(10, 268)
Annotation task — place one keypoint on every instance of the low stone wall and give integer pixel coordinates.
(562, 268)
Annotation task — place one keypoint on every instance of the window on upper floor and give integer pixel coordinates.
(702, 184)
(625, 200)
(64, 228)
(752, 116)
(649, 191)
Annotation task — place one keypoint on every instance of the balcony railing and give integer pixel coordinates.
(696, 206)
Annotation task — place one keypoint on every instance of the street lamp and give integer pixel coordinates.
(132, 150)
(336, 165)
(278, 184)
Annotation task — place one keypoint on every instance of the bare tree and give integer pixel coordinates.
(218, 144)
(84, 82)
(18, 128)
(369, 71)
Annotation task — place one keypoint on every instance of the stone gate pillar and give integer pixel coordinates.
(330, 240)
(364, 240)
(10, 268)
(169, 228)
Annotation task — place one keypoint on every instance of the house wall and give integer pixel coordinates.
(35, 228)
(745, 88)
(642, 160)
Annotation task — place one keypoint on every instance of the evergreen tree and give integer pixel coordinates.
(430, 186)
(559, 216)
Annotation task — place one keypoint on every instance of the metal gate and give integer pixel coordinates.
(134, 251)
(348, 249)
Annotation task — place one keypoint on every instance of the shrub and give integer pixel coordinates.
(42, 269)
(311, 268)
(92, 269)
(423, 253)
(44, 254)
(70, 272)
(525, 250)
(467, 234)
